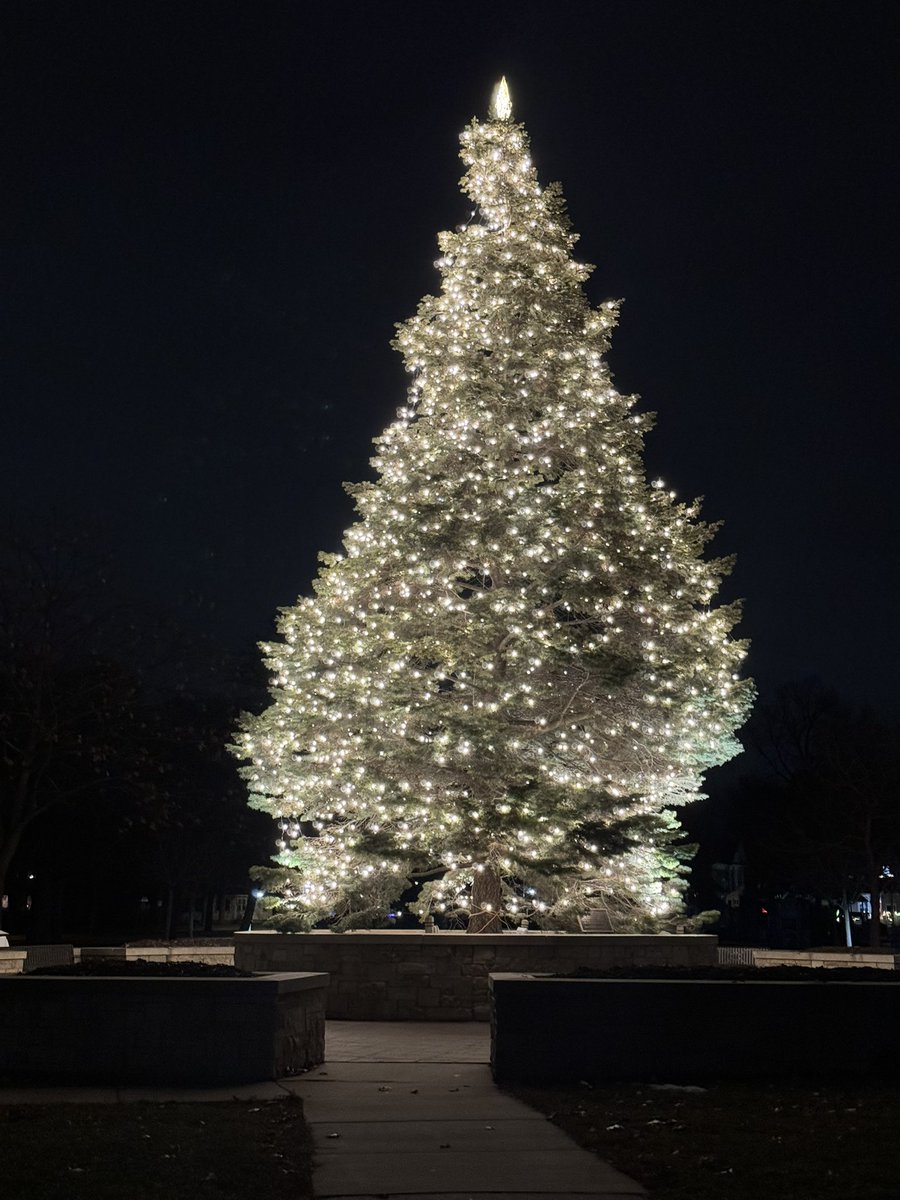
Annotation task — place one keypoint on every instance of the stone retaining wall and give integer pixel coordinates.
(883, 960)
(177, 952)
(392, 975)
(12, 962)
(197, 1031)
(692, 1031)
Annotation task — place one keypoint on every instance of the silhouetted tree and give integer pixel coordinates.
(66, 707)
(825, 815)
(190, 819)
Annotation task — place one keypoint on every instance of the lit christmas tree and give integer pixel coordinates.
(514, 671)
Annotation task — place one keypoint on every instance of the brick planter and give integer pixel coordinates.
(690, 1031)
(201, 1031)
(393, 975)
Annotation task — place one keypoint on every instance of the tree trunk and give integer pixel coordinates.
(8, 848)
(875, 912)
(93, 904)
(848, 927)
(874, 874)
(486, 901)
(170, 913)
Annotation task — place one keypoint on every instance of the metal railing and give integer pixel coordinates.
(734, 956)
(48, 956)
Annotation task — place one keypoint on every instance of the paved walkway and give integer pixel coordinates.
(408, 1111)
(408, 1041)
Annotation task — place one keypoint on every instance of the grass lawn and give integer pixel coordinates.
(233, 1150)
(765, 1142)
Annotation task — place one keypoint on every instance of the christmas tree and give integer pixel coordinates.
(514, 671)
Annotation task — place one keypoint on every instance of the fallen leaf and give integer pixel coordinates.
(675, 1087)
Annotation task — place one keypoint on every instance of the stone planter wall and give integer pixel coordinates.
(392, 975)
(12, 962)
(691, 1031)
(199, 1031)
(884, 960)
(177, 952)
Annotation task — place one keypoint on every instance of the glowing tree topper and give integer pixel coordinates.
(515, 670)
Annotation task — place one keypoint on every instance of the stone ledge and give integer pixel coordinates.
(12, 962)
(460, 937)
(395, 975)
(175, 953)
(557, 1030)
(883, 960)
(185, 1030)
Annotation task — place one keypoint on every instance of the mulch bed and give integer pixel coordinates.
(742, 974)
(736, 1142)
(115, 967)
(179, 943)
(233, 1150)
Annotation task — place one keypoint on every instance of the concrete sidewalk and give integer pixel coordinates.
(409, 1110)
(407, 1041)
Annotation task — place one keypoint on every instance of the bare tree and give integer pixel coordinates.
(65, 704)
(833, 817)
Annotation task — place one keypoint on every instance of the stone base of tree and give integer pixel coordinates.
(183, 1031)
(395, 975)
(689, 1031)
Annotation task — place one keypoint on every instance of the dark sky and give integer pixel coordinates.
(213, 214)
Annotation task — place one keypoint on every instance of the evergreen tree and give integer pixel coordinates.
(514, 671)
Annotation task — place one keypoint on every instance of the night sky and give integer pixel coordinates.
(214, 213)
